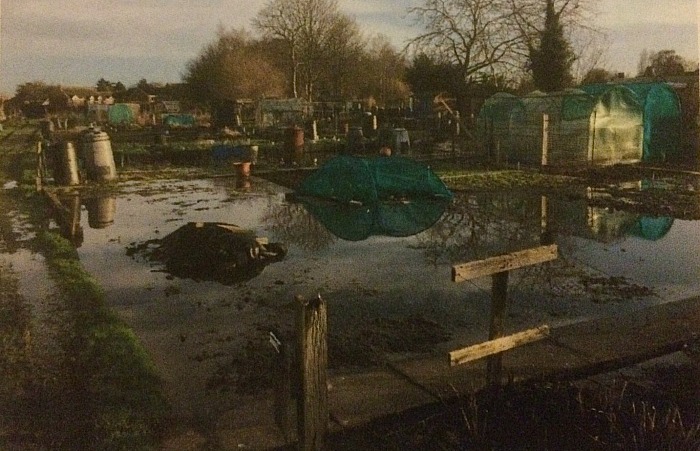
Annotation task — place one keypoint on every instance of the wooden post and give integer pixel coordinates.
(545, 139)
(40, 170)
(491, 347)
(498, 268)
(508, 262)
(499, 302)
(591, 137)
(312, 405)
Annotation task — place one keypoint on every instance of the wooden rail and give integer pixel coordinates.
(498, 268)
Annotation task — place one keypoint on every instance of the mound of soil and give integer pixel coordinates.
(213, 251)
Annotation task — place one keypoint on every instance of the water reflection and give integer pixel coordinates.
(478, 226)
(651, 229)
(69, 221)
(292, 223)
(584, 218)
(101, 210)
(390, 218)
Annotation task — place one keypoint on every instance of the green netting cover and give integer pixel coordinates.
(356, 197)
(120, 114)
(348, 179)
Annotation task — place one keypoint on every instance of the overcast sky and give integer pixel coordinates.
(77, 42)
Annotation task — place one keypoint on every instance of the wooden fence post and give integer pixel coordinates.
(312, 405)
(545, 139)
(498, 268)
(499, 302)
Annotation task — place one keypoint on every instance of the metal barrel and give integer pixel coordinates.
(294, 144)
(99, 158)
(355, 140)
(66, 168)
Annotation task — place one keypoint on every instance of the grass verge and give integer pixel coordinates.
(122, 403)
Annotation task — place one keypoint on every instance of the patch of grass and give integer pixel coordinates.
(118, 381)
(501, 180)
(533, 416)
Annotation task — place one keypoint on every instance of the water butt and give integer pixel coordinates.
(254, 154)
(243, 169)
(98, 155)
(66, 170)
(294, 145)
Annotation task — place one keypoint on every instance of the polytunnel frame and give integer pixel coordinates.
(563, 127)
(662, 124)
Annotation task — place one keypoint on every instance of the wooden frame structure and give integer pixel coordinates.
(498, 268)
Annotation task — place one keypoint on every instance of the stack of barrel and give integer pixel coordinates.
(96, 153)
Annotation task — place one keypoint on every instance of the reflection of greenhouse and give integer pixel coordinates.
(580, 218)
(603, 124)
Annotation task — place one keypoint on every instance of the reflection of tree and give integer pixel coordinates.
(481, 226)
(292, 223)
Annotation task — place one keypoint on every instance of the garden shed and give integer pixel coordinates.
(661, 115)
(563, 128)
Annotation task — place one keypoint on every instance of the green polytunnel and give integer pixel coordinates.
(600, 128)
(661, 117)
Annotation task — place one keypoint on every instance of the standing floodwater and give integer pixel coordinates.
(387, 296)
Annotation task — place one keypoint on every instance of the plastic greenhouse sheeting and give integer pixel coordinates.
(604, 128)
(350, 179)
(661, 117)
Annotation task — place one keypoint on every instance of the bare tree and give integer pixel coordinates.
(488, 37)
(474, 35)
(383, 72)
(230, 68)
(307, 27)
(338, 68)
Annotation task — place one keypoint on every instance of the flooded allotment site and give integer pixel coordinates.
(389, 297)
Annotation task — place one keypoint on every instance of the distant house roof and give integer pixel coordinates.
(170, 106)
(283, 105)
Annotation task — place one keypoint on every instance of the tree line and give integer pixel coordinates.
(310, 49)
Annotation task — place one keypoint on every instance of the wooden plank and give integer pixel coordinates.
(489, 266)
(491, 347)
